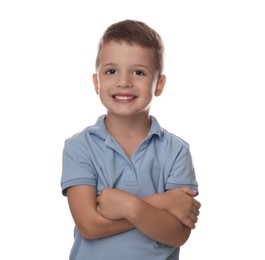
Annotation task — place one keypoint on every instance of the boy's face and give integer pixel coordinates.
(126, 78)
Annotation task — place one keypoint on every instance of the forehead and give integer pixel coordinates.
(119, 52)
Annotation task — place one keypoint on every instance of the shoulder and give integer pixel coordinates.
(175, 144)
(175, 138)
(90, 132)
(78, 138)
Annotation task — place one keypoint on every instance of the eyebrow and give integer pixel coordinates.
(108, 64)
(133, 65)
(140, 65)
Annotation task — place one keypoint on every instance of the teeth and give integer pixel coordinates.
(124, 97)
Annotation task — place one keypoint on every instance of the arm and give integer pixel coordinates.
(91, 225)
(179, 202)
(154, 222)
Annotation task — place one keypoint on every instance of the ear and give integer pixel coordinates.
(160, 85)
(95, 82)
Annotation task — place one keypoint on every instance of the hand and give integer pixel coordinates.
(180, 203)
(113, 203)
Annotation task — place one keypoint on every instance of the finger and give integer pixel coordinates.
(189, 223)
(196, 203)
(195, 211)
(98, 199)
(194, 218)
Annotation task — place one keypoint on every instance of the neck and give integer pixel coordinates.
(138, 125)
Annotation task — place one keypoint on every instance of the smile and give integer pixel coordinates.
(123, 98)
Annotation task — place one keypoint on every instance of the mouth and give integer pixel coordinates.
(123, 98)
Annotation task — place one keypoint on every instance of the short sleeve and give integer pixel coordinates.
(77, 168)
(182, 172)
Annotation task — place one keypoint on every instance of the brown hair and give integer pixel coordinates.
(134, 32)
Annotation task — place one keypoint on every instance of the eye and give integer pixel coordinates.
(110, 71)
(138, 73)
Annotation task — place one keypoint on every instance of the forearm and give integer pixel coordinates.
(179, 202)
(96, 226)
(155, 200)
(157, 224)
(167, 217)
(92, 225)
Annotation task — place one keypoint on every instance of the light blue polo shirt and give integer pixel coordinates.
(93, 157)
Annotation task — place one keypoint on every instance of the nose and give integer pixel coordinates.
(124, 81)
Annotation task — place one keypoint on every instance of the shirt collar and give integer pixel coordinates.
(156, 129)
(99, 129)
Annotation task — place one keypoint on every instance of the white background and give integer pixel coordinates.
(214, 99)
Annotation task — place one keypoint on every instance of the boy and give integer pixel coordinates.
(130, 184)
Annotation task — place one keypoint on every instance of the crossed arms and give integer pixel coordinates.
(165, 217)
